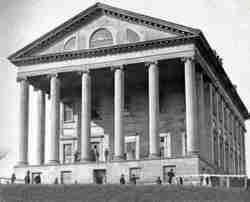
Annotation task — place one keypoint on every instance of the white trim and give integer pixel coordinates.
(111, 29)
(108, 60)
(69, 38)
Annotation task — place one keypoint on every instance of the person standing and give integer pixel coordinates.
(27, 178)
(170, 176)
(13, 178)
(122, 179)
(106, 154)
(56, 181)
(158, 180)
(133, 179)
(96, 154)
(37, 179)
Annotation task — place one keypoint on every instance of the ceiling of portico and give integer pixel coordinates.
(136, 76)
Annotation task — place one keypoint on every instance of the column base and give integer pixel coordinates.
(22, 163)
(118, 158)
(51, 162)
(154, 156)
(85, 160)
(193, 153)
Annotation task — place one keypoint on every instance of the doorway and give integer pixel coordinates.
(99, 176)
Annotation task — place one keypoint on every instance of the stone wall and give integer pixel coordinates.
(83, 172)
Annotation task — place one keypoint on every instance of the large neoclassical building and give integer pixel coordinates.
(128, 94)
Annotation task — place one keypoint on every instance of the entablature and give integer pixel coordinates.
(83, 64)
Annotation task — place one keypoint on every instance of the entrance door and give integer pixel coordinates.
(95, 151)
(33, 175)
(99, 176)
(66, 177)
(166, 169)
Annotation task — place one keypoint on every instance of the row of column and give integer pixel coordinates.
(153, 93)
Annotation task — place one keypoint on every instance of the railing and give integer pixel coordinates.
(5, 180)
(212, 180)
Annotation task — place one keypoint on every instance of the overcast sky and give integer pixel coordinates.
(225, 23)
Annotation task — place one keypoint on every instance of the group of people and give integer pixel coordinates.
(27, 178)
(36, 180)
(133, 178)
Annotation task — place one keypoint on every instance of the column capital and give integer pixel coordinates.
(190, 58)
(22, 78)
(113, 68)
(149, 63)
(50, 75)
(85, 71)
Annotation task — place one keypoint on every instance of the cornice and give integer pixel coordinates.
(111, 50)
(206, 51)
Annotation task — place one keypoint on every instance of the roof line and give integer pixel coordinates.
(91, 10)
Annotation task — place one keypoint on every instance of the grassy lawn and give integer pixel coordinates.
(117, 193)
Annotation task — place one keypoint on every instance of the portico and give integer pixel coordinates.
(152, 71)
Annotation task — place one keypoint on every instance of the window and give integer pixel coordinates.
(136, 172)
(225, 118)
(220, 105)
(231, 158)
(132, 36)
(165, 145)
(95, 115)
(100, 38)
(66, 177)
(70, 44)
(67, 153)
(215, 149)
(227, 156)
(126, 103)
(214, 102)
(236, 162)
(132, 149)
(221, 153)
(68, 113)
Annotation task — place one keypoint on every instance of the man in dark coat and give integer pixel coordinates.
(170, 176)
(122, 179)
(37, 179)
(133, 179)
(13, 178)
(27, 178)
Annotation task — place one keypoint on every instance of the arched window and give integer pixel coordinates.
(70, 44)
(101, 37)
(132, 36)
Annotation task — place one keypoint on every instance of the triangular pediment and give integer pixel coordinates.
(105, 31)
(124, 27)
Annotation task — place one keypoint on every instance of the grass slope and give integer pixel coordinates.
(117, 193)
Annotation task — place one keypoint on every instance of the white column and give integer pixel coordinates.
(118, 113)
(78, 126)
(86, 116)
(40, 138)
(153, 93)
(191, 107)
(55, 119)
(23, 122)
(201, 104)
